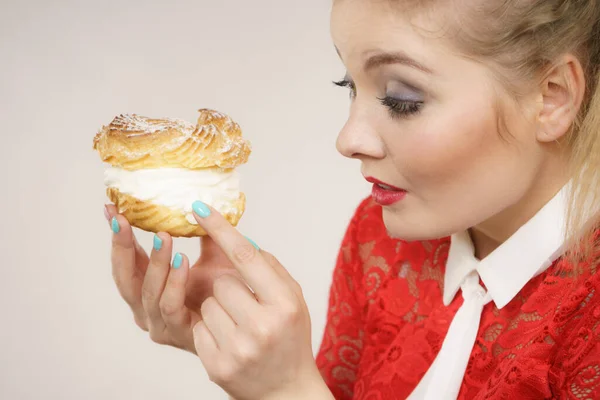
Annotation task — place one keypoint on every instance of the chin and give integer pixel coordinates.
(413, 229)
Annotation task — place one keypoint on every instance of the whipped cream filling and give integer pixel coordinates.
(177, 187)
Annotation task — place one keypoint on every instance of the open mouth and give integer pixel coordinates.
(385, 194)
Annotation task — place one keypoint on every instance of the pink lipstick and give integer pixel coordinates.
(385, 194)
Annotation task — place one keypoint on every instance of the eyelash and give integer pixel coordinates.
(400, 108)
(347, 84)
(397, 108)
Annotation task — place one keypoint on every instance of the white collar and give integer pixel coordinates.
(527, 253)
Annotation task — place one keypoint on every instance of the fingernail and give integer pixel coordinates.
(201, 209)
(252, 242)
(157, 243)
(114, 225)
(177, 260)
(106, 214)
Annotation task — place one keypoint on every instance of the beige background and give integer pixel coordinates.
(66, 68)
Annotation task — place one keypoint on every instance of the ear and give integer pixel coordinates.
(562, 94)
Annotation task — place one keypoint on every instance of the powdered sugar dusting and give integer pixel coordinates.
(216, 126)
(138, 125)
(216, 140)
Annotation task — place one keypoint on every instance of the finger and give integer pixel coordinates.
(155, 280)
(218, 322)
(176, 316)
(110, 210)
(205, 344)
(243, 253)
(236, 299)
(211, 253)
(276, 265)
(282, 272)
(126, 263)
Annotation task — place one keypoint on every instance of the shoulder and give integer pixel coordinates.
(579, 285)
(576, 322)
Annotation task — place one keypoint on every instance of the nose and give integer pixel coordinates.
(359, 139)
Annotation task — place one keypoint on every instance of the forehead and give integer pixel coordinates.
(360, 28)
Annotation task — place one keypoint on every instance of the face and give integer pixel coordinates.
(424, 119)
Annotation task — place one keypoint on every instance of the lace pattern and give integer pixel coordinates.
(386, 323)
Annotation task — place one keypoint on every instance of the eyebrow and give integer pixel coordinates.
(394, 58)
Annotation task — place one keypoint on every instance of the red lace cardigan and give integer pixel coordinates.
(386, 323)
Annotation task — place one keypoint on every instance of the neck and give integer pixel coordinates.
(490, 234)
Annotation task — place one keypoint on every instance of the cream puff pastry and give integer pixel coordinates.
(159, 167)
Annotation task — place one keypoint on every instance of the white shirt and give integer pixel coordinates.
(504, 272)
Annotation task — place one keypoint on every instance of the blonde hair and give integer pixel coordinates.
(520, 40)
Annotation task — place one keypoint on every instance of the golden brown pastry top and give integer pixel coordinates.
(135, 142)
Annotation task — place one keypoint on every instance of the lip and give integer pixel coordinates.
(385, 197)
(377, 181)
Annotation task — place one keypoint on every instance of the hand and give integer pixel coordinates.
(165, 301)
(254, 338)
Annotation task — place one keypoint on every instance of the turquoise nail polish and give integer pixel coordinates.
(177, 260)
(252, 242)
(114, 225)
(157, 243)
(201, 209)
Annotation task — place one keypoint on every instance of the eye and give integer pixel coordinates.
(401, 108)
(347, 84)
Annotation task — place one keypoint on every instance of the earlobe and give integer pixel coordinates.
(562, 93)
(555, 124)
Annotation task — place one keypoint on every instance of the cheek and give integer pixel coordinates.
(446, 149)
(460, 172)
(445, 162)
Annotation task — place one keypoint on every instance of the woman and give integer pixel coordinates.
(478, 123)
